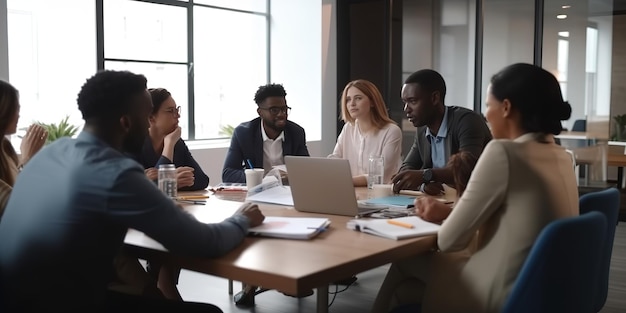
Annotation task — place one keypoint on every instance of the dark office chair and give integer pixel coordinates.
(607, 203)
(579, 126)
(559, 273)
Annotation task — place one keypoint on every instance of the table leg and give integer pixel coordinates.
(322, 299)
(620, 177)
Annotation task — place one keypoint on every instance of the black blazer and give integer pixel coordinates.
(247, 143)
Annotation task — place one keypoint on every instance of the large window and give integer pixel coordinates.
(215, 83)
(52, 49)
(212, 55)
(577, 48)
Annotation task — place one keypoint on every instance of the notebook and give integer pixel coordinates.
(322, 185)
(290, 227)
(383, 228)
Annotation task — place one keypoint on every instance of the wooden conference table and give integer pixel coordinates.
(290, 266)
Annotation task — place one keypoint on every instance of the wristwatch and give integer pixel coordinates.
(427, 175)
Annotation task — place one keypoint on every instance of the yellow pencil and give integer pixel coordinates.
(401, 224)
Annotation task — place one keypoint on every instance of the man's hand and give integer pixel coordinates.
(253, 213)
(407, 180)
(431, 210)
(184, 176)
(434, 188)
(152, 173)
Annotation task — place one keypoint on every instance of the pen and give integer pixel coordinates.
(192, 201)
(401, 224)
(192, 197)
(249, 163)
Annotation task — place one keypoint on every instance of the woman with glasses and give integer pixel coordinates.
(164, 145)
(368, 132)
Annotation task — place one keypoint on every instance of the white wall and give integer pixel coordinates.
(4, 49)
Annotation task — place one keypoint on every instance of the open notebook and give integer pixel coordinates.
(383, 228)
(290, 227)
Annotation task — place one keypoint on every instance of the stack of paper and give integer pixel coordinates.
(397, 228)
(290, 227)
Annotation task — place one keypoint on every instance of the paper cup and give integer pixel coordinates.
(382, 190)
(254, 177)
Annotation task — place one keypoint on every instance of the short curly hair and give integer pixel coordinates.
(106, 95)
(269, 90)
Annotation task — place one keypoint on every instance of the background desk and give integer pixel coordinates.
(290, 266)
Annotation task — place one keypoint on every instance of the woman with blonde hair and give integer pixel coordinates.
(368, 132)
(36, 135)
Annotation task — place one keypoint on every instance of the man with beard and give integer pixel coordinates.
(74, 201)
(265, 140)
(441, 132)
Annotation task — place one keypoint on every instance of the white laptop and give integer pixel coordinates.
(322, 185)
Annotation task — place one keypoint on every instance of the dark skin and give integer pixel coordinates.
(127, 134)
(273, 124)
(423, 108)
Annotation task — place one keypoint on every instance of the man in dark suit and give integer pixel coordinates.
(265, 140)
(442, 131)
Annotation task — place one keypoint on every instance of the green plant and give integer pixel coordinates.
(226, 130)
(620, 127)
(62, 129)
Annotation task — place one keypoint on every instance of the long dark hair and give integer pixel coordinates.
(535, 93)
(9, 105)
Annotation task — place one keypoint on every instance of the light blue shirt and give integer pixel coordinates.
(67, 217)
(438, 143)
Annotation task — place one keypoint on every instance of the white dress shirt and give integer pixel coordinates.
(357, 148)
(272, 150)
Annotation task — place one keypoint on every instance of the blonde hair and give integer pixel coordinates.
(378, 113)
(8, 108)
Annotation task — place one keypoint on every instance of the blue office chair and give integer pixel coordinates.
(579, 126)
(559, 273)
(606, 202)
(560, 270)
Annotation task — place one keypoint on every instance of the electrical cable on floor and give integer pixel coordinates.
(334, 293)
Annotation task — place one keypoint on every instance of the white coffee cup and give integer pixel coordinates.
(382, 190)
(254, 177)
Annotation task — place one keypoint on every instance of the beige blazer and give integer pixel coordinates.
(517, 187)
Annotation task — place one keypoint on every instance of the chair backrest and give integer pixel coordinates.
(579, 126)
(559, 272)
(606, 202)
(5, 193)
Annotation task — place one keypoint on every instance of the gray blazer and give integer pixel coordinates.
(466, 131)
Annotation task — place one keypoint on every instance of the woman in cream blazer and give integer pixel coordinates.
(522, 182)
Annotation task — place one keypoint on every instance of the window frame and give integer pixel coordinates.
(189, 5)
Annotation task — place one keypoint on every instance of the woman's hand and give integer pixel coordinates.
(172, 138)
(152, 173)
(432, 210)
(33, 141)
(184, 176)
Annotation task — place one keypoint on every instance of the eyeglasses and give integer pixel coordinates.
(173, 110)
(276, 110)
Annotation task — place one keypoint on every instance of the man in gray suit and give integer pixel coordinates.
(441, 132)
